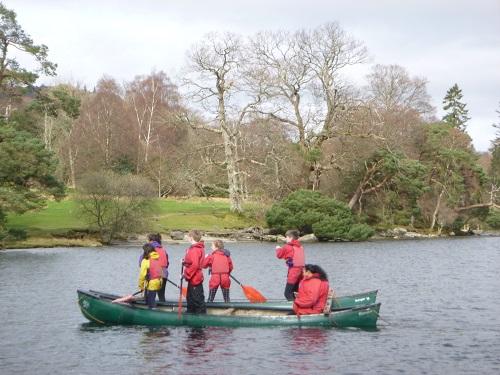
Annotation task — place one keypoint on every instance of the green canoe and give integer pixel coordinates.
(338, 303)
(99, 309)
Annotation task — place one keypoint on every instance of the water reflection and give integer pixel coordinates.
(202, 341)
(309, 348)
(155, 335)
(95, 327)
(156, 346)
(307, 340)
(196, 341)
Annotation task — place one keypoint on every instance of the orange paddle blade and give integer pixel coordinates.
(253, 295)
(184, 291)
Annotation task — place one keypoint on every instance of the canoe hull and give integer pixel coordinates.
(338, 303)
(102, 311)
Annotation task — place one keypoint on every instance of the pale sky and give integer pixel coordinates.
(444, 41)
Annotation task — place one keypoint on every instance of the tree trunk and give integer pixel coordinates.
(436, 210)
(356, 196)
(315, 176)
(47, 131)
(233, 174)
(71, 167)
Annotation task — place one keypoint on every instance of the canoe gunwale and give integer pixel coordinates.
(280, 305)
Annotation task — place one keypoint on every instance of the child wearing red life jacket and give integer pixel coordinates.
(193, 262)
(293, 253)
(313, 291)
(150, 276)
(155, 240)
(221, 265)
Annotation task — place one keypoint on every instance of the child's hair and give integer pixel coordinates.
(219, 244)
(313, 268)
(294, 233)
(155, 237)
(195, 235)
(148, 248)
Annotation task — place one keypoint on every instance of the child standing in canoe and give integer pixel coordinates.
(221, 265)
(293, 253)
(193, 262)
(155, 240)
(150, 276)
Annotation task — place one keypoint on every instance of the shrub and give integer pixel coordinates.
(360, 232)
(493, 219)
(115, 204)
(17, 234)
(457, 226)
(330, 228)
(312, 212)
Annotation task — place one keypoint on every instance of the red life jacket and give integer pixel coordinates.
(298, 255)
(193, 261)
(163, 257)
(155, 270)
(220, 262)
(312, 296)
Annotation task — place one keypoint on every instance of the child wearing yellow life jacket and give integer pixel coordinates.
(150, 276)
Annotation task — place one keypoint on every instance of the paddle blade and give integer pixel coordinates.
(253, 295)
(184, 291)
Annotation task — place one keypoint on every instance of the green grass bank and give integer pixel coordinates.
(56, 224)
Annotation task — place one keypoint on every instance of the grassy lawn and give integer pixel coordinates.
(182, 214)
(202, 214)
(57, 217)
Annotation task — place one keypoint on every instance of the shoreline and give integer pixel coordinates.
(230, 237)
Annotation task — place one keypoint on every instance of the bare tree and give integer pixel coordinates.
(104, 118)
(214, 78)
(306, 89)
(149, 97)
(391, 89)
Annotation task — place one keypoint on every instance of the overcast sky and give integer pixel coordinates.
(445, 41)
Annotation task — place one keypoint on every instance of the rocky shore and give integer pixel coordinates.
(266, 235)
(241, 235)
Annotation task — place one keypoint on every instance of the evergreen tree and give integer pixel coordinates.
(456, 112)
(13, 37)
(27, 169)
(495, 153)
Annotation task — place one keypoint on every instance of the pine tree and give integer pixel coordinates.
(457, 113)
(495, 152)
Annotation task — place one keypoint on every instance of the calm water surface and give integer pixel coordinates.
(439, 299)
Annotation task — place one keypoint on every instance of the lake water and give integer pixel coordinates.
(440, 313)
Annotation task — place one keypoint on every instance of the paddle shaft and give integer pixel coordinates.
(174, 284)
(234, 278)
(179, 306)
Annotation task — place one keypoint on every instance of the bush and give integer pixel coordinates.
(493, 219)
(17, 234)
(312, 212)
(214, 191)
(330, 228)
(360, 232)
(115, 204)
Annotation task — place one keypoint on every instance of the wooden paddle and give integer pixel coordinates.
(128, 298)
(184, 289)
(252, 294)
(179, 305)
